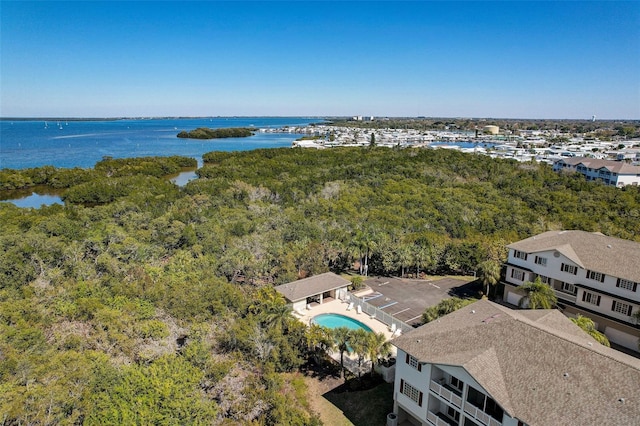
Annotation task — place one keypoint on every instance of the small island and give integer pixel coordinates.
(206, 133)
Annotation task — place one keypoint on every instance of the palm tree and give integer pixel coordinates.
(405, 257)
(537, 295)
(359, 344)
(589, 327)
(489, 274)
(319, 339)
(378, 345)
(342, 337)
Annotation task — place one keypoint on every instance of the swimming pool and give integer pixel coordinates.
(337, 320)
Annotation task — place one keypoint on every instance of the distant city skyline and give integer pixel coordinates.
(553, 60)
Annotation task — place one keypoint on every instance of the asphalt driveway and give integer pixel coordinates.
(406, 299)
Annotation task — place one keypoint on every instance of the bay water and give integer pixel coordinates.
(82, 143)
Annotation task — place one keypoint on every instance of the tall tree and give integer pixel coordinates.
(537, 295)
(489, 274)
(359, 343)
(342, 337)
(378, 346)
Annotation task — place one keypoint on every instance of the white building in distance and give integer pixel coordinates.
(614, 173)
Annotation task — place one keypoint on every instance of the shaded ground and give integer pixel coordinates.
(343, 403)
(406, 299)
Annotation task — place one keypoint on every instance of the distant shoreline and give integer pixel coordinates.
(151, 118)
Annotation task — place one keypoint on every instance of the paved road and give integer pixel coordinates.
(407, 299)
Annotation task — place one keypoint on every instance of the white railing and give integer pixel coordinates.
(445, 393)
(478, 414)
(435, 420)
(380, 315)
(565, 296)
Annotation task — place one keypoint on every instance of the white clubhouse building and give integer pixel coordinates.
(592, 274)
(489, 365)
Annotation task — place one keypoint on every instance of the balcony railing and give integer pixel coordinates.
(480, 415)
(435, 420)
(445, 393)
(565, 296)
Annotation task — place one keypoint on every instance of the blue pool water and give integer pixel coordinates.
(337, 320)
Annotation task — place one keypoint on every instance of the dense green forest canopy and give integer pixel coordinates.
(206, 133)
(154, 303)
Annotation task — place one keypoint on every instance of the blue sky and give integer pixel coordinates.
(506, 59)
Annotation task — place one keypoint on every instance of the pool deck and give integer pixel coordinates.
(340, 307)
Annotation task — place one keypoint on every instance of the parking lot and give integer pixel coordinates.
(406, 299)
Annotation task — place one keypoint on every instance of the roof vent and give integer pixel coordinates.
(565, 374)
(621, 400)
(473, 311)
(418, 341)
(608, 245)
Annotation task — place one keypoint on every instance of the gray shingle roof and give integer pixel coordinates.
(538, 365)
(306, 287)
(593, 251)
(619, 167)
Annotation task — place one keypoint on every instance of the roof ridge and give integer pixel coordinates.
(550, 331)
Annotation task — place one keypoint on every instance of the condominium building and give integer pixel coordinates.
(489, 365)
(614, 173)
(592, 274)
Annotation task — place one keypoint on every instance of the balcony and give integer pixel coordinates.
(439, 419)
(448, 394)
(561, 295)
(480, 415)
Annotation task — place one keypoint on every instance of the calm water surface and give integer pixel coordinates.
(67, 144)
(26, 144)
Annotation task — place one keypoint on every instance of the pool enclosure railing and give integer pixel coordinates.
(384, 317)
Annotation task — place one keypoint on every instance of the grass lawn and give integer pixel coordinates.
(364, 407)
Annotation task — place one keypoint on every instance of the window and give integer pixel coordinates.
(569, 288)
(453, 414)
(412, 393)
(520, 255)
(456, 383)
(596, 276)
(484, 403)
(413, 361)
(541, 261)
(518, 275)
(591, 298)
(621, 308)
(543, 279)
(627, 285)
(569, 269)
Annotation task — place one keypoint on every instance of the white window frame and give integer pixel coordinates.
(622, 307)
(595, 276)
(517, 274)
(411, 392)
(413, 362)
(591, 298)
(569, 269)
(542, 261)
(569, 288)
(520, 254)
(627, 284)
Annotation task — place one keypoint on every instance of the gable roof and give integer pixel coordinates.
(539, 366)
(589, 250)
(311, 286)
